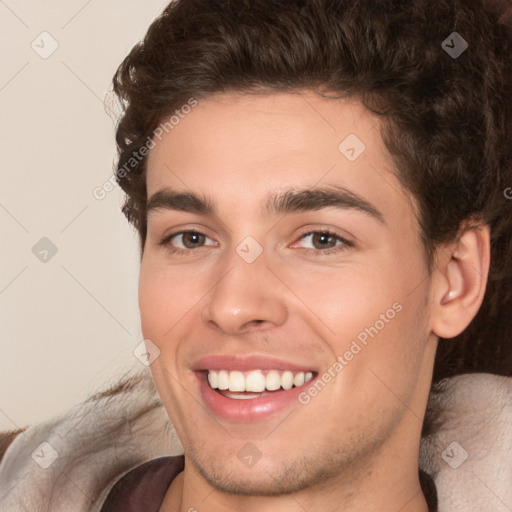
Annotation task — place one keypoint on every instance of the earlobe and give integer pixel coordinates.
(460, 281)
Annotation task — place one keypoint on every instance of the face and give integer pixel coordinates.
(283, 261)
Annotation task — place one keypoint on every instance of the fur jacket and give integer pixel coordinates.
(71, 462)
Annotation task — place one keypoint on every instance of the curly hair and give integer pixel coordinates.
(446, 120)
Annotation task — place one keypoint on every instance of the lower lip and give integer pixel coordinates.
(249, 410)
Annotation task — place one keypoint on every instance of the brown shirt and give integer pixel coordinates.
(143, 488)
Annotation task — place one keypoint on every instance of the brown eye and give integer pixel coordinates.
(192, 240)
(323, 240)
(186, 241)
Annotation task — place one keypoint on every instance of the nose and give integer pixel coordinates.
(246, 297)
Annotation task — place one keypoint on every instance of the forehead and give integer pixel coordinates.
(241, 148)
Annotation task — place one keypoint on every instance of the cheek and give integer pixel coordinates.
(391, 344)
(169, 295)
(347, 299)
(370, 312)
(161, 299)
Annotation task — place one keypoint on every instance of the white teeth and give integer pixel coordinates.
(273, 380)
(223, 380)
(213, 379)
(298, 380)
(244, 396)
(256, 381)
(236, 381)
(287, 380)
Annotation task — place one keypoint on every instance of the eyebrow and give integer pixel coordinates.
(169, 199)
(302, 200)
(288, 201)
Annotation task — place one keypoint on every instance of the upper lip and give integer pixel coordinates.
(247, 363)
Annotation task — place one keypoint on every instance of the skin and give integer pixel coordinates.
(355, 445)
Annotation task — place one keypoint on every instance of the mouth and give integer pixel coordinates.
(253, 395)
(249, 385)
(251, 388)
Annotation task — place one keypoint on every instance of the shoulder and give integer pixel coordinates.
(6, 438)
(77, 456)
(469, 457)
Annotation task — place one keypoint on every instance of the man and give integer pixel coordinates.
(318, 189)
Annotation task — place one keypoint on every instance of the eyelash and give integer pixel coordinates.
(345, 244)
(166, 242)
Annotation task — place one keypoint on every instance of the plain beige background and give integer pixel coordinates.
(69, 321)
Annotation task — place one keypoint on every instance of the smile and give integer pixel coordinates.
(251, 388)
(237, 403)
(252, 384)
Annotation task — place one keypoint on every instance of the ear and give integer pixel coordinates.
(460, 280)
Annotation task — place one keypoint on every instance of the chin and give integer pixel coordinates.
(267, 477)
